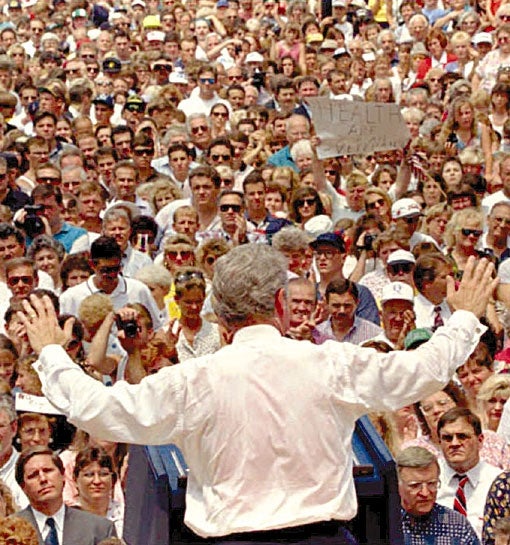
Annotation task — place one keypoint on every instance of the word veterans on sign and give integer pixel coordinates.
(346, 127)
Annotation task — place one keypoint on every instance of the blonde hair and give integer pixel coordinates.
(94, 309)
(459, 219)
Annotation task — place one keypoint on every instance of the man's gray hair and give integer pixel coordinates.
(154, 274)
(291, 239)
(75, 168)
(415, 457)
(115, 213)
(191, 117)
(7, 406)
(246, 281)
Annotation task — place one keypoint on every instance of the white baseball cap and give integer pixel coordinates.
(397, 291)
(405, 208)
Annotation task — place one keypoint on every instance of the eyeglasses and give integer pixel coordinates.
(142, 152)
(71, 183)
(442, 404)
(220, 114)
(416, 486)
(234, 207)
(328, 254)
(449, 437)
(92, 70)
(308, 202)
(166, 67)
(375, 204)
(503, 221)
(184, 277)
(396, 268)
(114, 269)
(412, 219)
(330, 171)
(225, 157)
(73, 70)
(235, 78)
(15, 280)
(200, 128)
(102, 474)
(183, 254)
(49, 180)
(210, 81)
(475, 232)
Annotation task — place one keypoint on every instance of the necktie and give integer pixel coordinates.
(459, 503)
(52, 537)
(438, 320)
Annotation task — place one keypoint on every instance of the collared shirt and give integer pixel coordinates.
(425, 311)
(361, 331)
(134, 260)
(7, 475)
(249, 402)
(480, 479)
(58, 517)
(440, 526)
(128, 290)
(206, 341)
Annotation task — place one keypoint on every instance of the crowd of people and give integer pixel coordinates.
(145, 144)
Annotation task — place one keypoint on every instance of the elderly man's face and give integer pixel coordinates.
(393, 317)
(418, 489)
(302, 302)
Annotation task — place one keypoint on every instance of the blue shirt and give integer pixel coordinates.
(441, 525)
(282, 158)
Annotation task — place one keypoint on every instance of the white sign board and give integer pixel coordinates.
(352, 127)
(34, 404)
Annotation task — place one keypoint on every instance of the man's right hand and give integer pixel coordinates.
(475, 289)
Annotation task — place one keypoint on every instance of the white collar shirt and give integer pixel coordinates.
(236, 414)
(58, 517)
(476, 489)
(425, 311)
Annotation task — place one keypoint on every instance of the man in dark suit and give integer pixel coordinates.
(40, 473)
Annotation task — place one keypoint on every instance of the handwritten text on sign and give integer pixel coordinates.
(347, 128)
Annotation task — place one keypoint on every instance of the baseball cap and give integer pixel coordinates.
(401, 256)
(339, 3)
(254, 56)
(178, 77)
(397, 291)
(138, 3)
(80, 12)
(222, 4)
(54, 88)
(155, 36)
(340, 52)
(112, 65)
(318, 225)
(14, 4)
(405, 208)
(482, 38)
(329, 44)
(314, 37)
(151, 21)
(329, 239)
(104, 99)
(135, 104)
(416, 337)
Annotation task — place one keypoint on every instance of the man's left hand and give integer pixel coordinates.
(41, 323)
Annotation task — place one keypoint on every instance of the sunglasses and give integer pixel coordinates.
(142, 152)
(210, 81)
(375, 204)
(225, 157)
(330, 171)
(396, 268)
(234, 207)
(161, 67)
(15, 280)
(114, 269)
(220, 114)
(412, 219)
(200, 128)
(49, 180)
(185, 254)
(184, 277)
(308, 202)
(475, 232)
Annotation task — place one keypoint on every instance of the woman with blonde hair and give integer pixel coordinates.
(462, 235)
(491, 399)
(435, 222)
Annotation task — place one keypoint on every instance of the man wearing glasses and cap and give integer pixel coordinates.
(406, 213)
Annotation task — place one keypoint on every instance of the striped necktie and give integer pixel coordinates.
(459, 503)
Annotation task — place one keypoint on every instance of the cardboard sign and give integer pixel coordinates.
(351, 127)
(34, 404)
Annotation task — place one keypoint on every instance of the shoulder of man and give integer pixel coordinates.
(85, 521)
